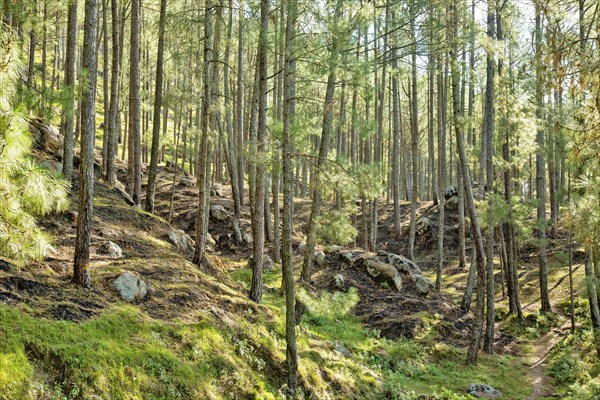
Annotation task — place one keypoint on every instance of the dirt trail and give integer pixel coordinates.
(542, 386)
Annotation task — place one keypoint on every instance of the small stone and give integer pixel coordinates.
(423, 284)
(130, 287)
(181, 240)
(246, 237)
(110, 249)
(339, 282)
(320, 258)
(483, 391)
(218, 213)
(347, 256)
(187, 182)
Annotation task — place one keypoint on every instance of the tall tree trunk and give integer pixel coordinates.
(111, 153)
(258, 226)
(81, 260)
(68, 111)
(540, 186)
(315, 209)
(289, 92)
(150, 189)
(488, 132)
(473, 349)
(442, 113)
(203, 159)
(414, 134)
(134, 103)
(105, 83)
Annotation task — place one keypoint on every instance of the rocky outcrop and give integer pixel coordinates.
(181, 240)
(383, 273)
(46, 137)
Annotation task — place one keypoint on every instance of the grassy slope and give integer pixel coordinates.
(196, 335)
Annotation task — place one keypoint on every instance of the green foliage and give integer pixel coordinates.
(26, 190)
(335, 226)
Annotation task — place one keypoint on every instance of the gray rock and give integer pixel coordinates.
(381, 272)
(483, 391)
(110, 249)
(402, 264)
(423, 284)
(347, 256)
(209, 240)
(246, 237)
(301, 247)
(339, 282)
(181, 240)
(218, 213)
(320, 258)
(187, 182)
(216, 190)
(130, 287)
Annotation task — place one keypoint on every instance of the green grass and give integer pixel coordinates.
(125, 354)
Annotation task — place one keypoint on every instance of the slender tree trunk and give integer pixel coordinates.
(203, 159)
(289, 92)
(68, 111)
(488, 132)
(315, 210)
(134, 103)
(540, 165)
(258, 226)
(150, 189)
(414, 135)
(81, 260)
(473, 349)
(111, 153)
(105, 84)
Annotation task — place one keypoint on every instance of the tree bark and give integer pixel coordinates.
(150, 189)
(81, 260)
(68, 111)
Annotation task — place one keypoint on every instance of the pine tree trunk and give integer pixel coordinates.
(315, 210)
(258, 227)
(135, 136)
(150, 189)
(68, 111)
(81, 261)
(289, 92)
(540, 186)
(203, 158)
(111, 152)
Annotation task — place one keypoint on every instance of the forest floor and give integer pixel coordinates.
(196, 335)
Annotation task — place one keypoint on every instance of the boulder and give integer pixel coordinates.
(402, 264)
(186, 181)
(218, 213)
(181, 240)
(45, 136)
(110, 249)
(171, 167)
(423, 284)
(383, 273)
(422, 225)
(216, 190)
(450, 191)
(483, 391)
(320, 258)
(130, 287)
